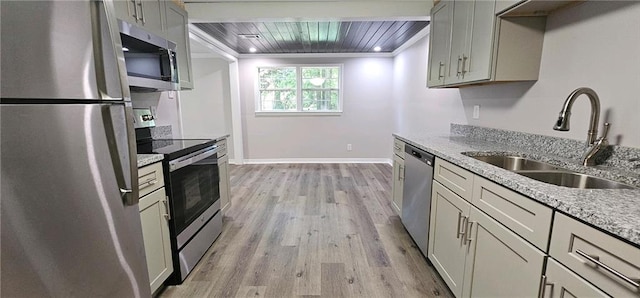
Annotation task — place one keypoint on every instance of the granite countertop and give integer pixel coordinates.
(614, 211)
(147, 159)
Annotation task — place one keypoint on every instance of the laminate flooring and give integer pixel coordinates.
(312, 230)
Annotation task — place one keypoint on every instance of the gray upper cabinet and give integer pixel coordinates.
(482, 46)
(440, 42)
(178, 32)
(148, 14)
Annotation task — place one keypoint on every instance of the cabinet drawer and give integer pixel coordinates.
(150, 178)
(574, 243)
(561, 282)
(398, 148)
(457, 179)
(527, 218)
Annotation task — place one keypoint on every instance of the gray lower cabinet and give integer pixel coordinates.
(223, 170)
(178, 32)
(477, 255)
(398, 183)
(447, 248)
(154, 216)
(499, 263)
(562, 282)
(609, 264)
(398, 175)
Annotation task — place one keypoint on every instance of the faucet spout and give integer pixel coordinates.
(562, 124)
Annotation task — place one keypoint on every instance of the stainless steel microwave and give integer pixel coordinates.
(150, 60)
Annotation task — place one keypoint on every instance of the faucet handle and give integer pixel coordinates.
(606, 130)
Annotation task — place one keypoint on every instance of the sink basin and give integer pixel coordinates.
(573, 180)
(516, 163)
(548, 173)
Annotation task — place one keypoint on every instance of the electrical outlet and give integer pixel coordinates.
(476, 112)
(349, 147)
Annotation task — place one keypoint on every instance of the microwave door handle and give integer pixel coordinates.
(104, 18)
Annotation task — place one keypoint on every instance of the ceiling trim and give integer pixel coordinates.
(216, 47)
(265, 11)
(420, 35)
(319, 55)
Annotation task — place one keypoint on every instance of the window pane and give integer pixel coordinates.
(319, 100)
(277, 78)
(278, 100)
(278, 88)
(320, 77)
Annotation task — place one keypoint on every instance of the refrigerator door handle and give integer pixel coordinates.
(123, 145)
(105, 29)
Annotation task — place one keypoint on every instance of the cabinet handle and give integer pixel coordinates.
(635, 282)
(135, 9)
(464, 62)
(440, 76)
(148, 183)
(543, 286)
(397, 147)
(467, 231)
(401, 172)
(458, 72)
(167, 215)
(142, 11)
(462, 219)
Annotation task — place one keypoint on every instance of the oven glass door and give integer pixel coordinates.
(193, 189)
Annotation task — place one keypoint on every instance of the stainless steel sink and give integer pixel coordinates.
(573, 180)
(515, 163)
(549, 173)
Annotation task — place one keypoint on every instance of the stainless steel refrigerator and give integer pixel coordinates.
(70, 224)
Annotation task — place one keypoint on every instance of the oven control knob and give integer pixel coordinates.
(202, 218)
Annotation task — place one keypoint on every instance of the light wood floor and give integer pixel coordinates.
(321, 230)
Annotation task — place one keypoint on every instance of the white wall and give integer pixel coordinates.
(166, 108)
(596, 45)
(366, 121)
(206, 110)
(416, 107)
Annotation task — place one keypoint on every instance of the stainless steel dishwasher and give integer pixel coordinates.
(416, 202)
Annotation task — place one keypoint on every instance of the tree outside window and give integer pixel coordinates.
(299, 89)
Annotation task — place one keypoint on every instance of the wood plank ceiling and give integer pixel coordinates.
(314, 37)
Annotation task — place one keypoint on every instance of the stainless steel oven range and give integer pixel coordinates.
(192, 185)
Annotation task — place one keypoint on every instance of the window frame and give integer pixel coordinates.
(299, 111)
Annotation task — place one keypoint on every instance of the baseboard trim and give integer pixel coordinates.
(317, 160)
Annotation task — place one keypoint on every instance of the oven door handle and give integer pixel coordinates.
(192, 158)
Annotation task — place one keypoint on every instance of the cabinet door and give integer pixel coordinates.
(398, 183)
(225, 194)
(177, 31)
(499, 262)
(439, 43)
(447, 247)
(153, 14)
(477, 59)
(155, 231)
(127, 10)
(561, 282)
(148, 14)
(460, 37)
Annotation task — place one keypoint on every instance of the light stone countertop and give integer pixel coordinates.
(147, 159)
(614, 211)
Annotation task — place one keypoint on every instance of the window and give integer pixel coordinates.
(303, 89)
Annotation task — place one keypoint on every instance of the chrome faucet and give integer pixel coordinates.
(562, 124)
